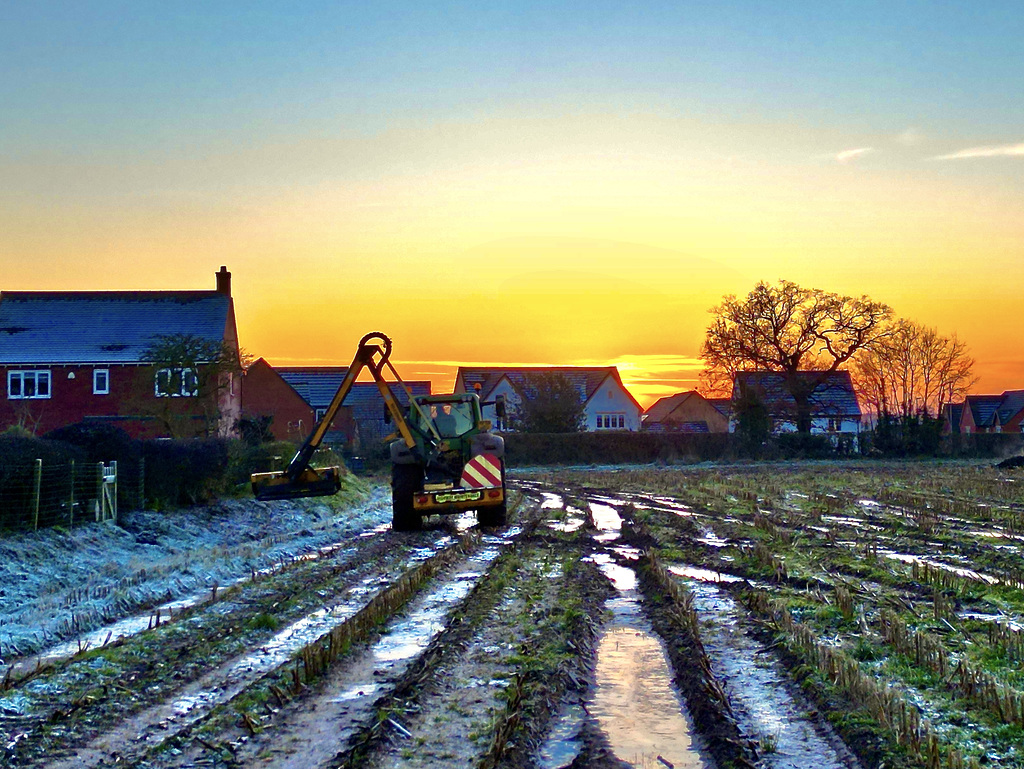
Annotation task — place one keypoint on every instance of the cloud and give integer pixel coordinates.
(1000, 151)
(847, 155)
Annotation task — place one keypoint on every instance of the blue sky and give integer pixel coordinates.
(862, 147)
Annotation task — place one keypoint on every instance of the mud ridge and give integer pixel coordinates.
(537, 691)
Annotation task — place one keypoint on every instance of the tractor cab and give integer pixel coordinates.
(451, 416)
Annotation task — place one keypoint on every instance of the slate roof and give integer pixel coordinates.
(585, 378)
(722, 405)
(82, 327)
(834, 397)
(983, 408)
(317, 385)
(1012, 403)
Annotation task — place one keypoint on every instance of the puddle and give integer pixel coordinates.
(633, 701)
(654, 503)
(703, 575)
(960, 572)
(563, 743)
(844, 520)
(711, 539)
(997, 619)
(606, 520)
(551, 501)
(635, 704)
(766, 712)
(408, 636)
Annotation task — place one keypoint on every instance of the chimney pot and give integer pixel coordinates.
(224, 281)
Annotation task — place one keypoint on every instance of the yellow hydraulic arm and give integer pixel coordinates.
(301, 480)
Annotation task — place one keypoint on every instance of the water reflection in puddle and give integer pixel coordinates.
(635, 704)
(606, 520)
(633, 699)
(960, 572)
(703, 575)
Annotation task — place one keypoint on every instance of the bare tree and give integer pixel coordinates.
(790, 329)
(191, 377)
(549, 403)
(913, 369)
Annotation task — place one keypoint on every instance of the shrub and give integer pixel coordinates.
(106, 443)
(185, 472)
(18, 455)
(244, 459)
(804, 446)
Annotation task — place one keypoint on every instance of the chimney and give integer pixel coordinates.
(224, 281)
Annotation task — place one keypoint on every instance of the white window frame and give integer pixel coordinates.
(36, 376)
(319, 414)
(97, 374)
(183, 373)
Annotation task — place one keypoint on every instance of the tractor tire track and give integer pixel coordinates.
(120, 717)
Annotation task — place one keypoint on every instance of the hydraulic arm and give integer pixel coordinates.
(300, 479)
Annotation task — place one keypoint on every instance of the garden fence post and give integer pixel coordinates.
(113, 495)
(99, 491)
(37, 482)
(71, 501)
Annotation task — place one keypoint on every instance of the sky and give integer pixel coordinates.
(536, 183)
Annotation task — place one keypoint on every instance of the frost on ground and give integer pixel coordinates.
(55, 584)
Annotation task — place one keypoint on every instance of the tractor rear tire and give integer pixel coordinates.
(497, 515)
(406, 481)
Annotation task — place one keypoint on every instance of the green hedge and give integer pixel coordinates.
(18, 501)
(524, 449)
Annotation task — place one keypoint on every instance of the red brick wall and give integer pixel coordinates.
(131, 404)
(265, 393)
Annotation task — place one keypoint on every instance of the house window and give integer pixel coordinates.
(622, 420)
(319, 414)
(28, 384)
(834, 424)
(100, 381)
(176, 383)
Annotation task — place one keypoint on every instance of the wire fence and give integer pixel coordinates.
(37, 495)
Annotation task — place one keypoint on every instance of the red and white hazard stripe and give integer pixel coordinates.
(480, 471)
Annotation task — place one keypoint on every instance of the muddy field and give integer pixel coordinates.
(774, 616)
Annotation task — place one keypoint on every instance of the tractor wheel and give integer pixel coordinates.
(406, 480)
(497, 515)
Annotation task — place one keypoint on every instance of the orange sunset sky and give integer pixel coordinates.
(549, 184)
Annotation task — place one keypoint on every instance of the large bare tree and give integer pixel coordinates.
(912, 370)
(791, 330)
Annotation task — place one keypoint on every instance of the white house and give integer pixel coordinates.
(607, 404)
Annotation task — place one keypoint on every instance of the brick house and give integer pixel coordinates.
(73, 356)
(835, 409)
(688, 412)
(987, 413)
(607, 404)
(266, 394)
(298, 396)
